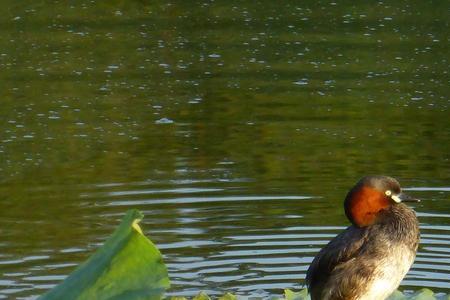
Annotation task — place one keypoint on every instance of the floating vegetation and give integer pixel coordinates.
(130, 267)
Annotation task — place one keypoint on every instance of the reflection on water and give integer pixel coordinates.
(236, 128)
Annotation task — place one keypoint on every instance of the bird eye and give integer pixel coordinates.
(388, 193)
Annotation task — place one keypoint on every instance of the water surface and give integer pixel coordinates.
(236, 128)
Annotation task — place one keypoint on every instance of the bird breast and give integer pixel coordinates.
(389, 272)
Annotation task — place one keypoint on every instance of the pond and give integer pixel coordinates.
(237, 128)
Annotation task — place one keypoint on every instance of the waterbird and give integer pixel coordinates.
(369, 259)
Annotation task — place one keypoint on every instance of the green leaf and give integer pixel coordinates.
(130, 267)
(228, 296)
(127, 267)
(290, 295)
(397, 295)
(423, 294)
(201, 296)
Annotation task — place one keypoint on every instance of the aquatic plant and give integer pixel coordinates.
(129, 267)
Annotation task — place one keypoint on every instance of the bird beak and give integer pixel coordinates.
(402, 197)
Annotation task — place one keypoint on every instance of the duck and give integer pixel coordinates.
(369, 259)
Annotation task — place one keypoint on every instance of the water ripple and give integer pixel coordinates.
(217, 235)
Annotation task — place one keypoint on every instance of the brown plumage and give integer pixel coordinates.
(369, 259)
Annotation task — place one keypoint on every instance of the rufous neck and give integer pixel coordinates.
(363, 204)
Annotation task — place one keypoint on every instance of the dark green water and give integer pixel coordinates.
(237, 128)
